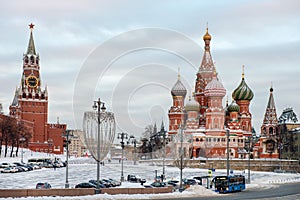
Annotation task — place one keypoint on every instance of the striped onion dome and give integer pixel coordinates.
(178, 89)
(215, 88)
(242, 92)
(233, 107)
(192, 105)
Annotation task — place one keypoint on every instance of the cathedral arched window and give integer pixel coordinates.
(26, 59)
(31, 59)
(271, 130)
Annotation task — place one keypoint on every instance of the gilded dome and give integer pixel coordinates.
(233, 107)
(178, 89)
(215, 88)
(242, 92)
(192, 105)
(206, 36)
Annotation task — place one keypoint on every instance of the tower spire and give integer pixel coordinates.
(162, 127)
(31, 47)
(243, 73)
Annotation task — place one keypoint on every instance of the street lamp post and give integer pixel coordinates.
(163, 133)
(181, 158)
(133, 141)
(22, 140)
(67, 141)
(227, 146)
(99, 106)
(122, 136)
(249, 148)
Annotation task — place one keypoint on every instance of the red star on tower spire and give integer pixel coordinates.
(31, 26)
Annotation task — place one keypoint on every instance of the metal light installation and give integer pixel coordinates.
(99, 132)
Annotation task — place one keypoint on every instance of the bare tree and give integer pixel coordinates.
(7, 127)
(148, 131)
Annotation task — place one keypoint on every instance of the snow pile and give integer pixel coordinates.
(200, 190)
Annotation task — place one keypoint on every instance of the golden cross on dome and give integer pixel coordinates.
(31, 26)
(243, 74)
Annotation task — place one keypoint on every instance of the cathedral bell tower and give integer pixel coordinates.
(204, 76)
(177, 111)
(30, 102)
(243, 96)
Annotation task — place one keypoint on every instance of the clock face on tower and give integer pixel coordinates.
(32, 81)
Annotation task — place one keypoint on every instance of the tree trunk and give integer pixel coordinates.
(5, 151)
(0, 148)
(12, 151)
(17, 151)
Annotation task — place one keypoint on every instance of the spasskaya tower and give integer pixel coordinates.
(30, 103)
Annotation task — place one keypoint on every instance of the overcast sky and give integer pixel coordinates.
(128, 53)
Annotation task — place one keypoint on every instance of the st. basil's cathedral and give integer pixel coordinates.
(209, 124)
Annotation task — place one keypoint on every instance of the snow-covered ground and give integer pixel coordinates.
(84, 169)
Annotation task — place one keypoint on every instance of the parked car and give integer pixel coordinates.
(189, 181)
(117, 183)
(133, 178)
(174, 183)
(85, 185)
(10, 170)
(108, 182)
(148, 186)
(158, 184)
(94, 182)
(4, 165)
(44, 185)
(198, 180)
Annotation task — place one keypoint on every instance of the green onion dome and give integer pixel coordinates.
(242, 92)
(233, 107)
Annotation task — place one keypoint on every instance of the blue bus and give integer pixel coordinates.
(224, 184)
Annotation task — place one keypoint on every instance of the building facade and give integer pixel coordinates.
(30, 103)
(289, 135)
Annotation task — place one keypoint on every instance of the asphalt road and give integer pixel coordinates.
(290, 191)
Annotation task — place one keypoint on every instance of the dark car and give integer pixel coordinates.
(44, 185)
(108, 182)
(133, 178)
(94, 182)
(198, 179)
(117, 183)
(174, 183)
(85, 185)
(189, 181)
(158, 184)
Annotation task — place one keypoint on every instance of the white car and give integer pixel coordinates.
(4, 165)
(10, 170)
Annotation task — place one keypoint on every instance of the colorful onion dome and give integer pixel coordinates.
(192, 105)
(206, 36)
(233, 107)
(215, 87)
(242, 92)
(178, 89)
